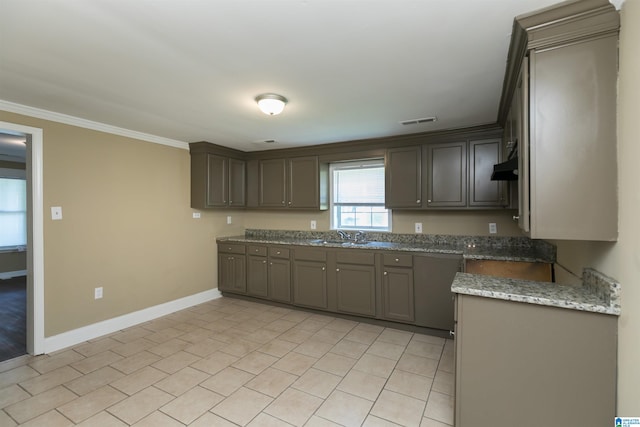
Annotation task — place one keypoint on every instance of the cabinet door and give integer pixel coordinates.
(303, 182)
(433, 275)
(272, 183)
(217, 181)
(482, 191)
(403, 178)
(310, 284)
(397, 294)
(356, 289)
(237, 182)
(257, 276)
(280, 280)
(231, 273)
(573, 166)
(447, 175)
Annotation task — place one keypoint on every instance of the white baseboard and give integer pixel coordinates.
(9, 274)
(77, 336)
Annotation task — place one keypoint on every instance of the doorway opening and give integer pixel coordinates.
(33, 273)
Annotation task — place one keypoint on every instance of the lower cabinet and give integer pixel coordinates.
(310, 278)
(356, 283)
(394, 286)
(232, 268)
(532, 365)
(257, 273)
(398, 301)
(279, 274)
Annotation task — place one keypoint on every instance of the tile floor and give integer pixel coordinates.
(231, 362)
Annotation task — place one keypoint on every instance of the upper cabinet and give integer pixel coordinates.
(217, 180)
(293, 183)
(403, 178)
(446, 172)
(560, 93)
(453, 174)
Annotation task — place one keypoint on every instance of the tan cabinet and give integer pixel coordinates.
(279, 274)
(232, 268)
(310, 278)
(398, 301)
(403, 178)
(394, 286)
(356, 282)
(217, 181)
(483, 192)
(296, 183)
(446, 172)
(531, 365)
(563, 97)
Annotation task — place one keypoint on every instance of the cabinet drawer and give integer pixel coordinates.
(308, 254)
(231, 248)
(355, 257)
(399, 260)
(279, 252)
(257, 250)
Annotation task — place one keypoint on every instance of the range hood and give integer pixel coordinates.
(506, 171)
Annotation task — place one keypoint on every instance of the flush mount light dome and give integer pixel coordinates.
(271, 103)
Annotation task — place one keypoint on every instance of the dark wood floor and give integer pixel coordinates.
(13, 318)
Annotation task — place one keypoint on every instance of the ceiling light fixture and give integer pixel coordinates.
(270, 103)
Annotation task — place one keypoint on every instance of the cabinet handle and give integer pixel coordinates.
(429, 201)
(289, 202)
(385, 273)
(516, 217)
(283, 202)
(337, 269)
(418, 201)
(452, 333)
(264, 262)
(270, 263)
(397, 259)
(323, 268)
(278, 253)
(230, 258)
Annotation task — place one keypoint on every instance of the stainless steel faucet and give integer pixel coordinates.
(359, 237)
(344, 235)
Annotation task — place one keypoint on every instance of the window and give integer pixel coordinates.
(13, 212)
(357, 196)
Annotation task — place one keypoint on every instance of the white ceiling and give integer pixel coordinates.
(189, 70)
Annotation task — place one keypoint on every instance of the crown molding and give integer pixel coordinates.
(39, 113)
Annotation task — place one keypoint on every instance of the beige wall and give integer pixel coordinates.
(441, 222)
(621, 260)
(126, 226)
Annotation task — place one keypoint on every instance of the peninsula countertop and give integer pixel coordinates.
(598, 293)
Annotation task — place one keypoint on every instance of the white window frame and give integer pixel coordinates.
(17, 174)
(353, 164)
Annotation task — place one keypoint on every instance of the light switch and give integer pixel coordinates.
(56, 212)
(196, 215)
(229, 219)
(418, 227)
(313, 224)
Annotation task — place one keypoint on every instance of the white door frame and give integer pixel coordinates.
(35, 252)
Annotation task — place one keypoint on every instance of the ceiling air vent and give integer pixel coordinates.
(418, 121)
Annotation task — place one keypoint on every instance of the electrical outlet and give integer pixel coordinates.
(97, 293)
(313, 224)
(493, 228)
(196, 215)
(418, 226)
(56, 213)
(229, 219)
